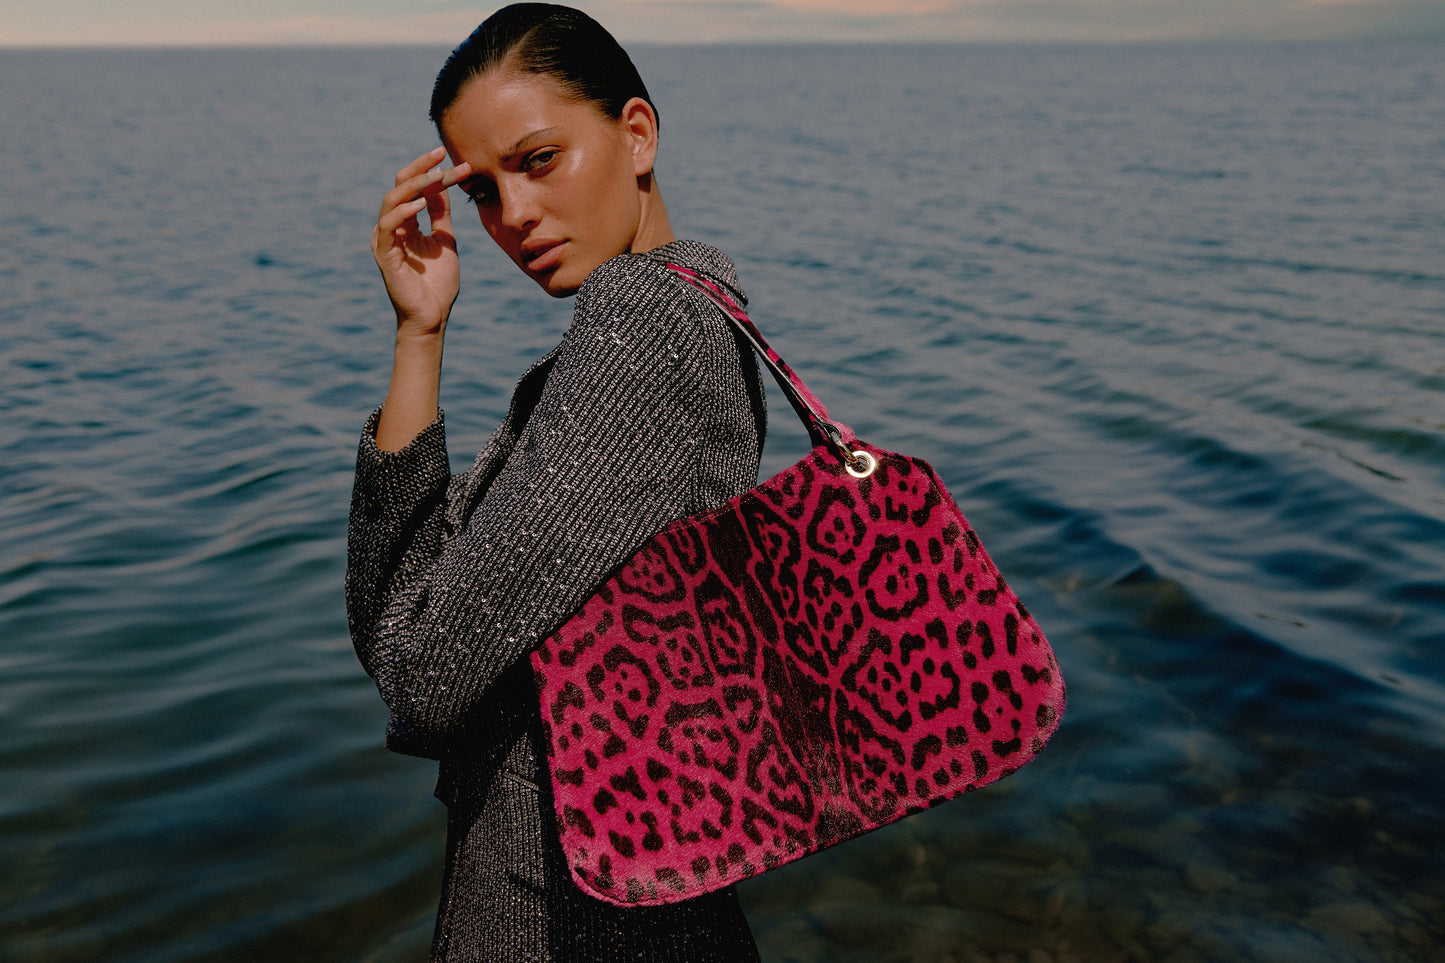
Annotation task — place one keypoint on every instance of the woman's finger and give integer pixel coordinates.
(421, 165)
(397, 217)
(423, 183)
(410, 189)
(438, 199)
(399, 205)
(421, 192)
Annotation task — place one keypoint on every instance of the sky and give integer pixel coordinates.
(445, 22)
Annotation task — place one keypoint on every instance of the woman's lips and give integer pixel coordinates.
(543, 257)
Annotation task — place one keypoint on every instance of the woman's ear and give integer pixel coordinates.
(639, 122)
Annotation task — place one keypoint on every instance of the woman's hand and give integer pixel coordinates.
(419, 268)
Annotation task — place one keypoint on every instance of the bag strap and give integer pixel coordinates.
(822, 429)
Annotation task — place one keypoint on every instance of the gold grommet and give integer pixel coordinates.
(860, 455)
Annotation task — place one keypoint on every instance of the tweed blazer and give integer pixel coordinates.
(650, 409)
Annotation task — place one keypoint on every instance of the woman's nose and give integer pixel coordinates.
(519, 209)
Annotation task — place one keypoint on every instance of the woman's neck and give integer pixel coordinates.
(653, 228)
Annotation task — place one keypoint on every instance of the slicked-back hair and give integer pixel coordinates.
(561, 43)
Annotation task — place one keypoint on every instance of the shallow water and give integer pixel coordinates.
(1169, 320)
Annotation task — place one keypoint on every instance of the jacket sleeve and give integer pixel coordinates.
(642, 419)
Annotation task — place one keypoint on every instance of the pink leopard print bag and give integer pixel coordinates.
(820, 656)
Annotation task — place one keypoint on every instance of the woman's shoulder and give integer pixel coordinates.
(636, 303)
(643, 282)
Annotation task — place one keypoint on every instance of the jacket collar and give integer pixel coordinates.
(704, 259)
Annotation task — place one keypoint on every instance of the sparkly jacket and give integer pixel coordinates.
(650, 409)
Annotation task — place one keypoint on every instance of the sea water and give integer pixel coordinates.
(1169, 321)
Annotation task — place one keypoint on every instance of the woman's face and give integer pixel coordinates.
(554, 181)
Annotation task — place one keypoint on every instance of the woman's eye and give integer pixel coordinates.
(540, 161)
(480, 196)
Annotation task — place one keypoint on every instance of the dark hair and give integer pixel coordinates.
(564, 44)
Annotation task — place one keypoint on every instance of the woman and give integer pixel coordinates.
(649, 409)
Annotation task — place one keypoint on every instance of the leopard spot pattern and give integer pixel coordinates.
(814, 659)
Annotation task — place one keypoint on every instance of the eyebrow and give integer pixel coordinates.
(523, 142)
(519, 146)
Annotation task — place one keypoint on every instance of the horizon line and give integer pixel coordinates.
(764, 42)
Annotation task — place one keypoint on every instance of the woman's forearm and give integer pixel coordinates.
(412, 399)
(422, 279)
